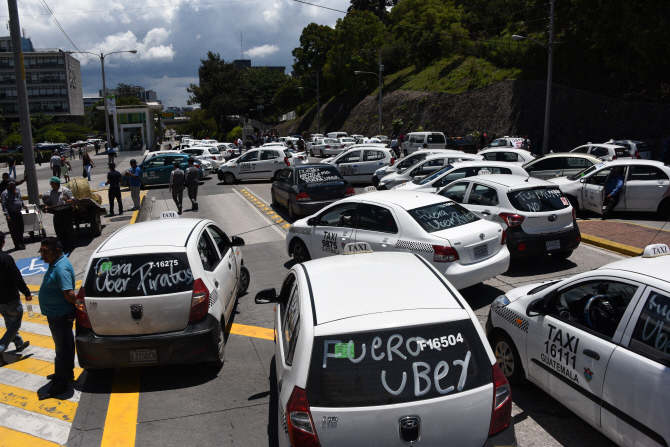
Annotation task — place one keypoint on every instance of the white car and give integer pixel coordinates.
(366, 368)
(207, 153)
(348, 141)
(152, 299)
(207, 168)
(536, 216)
(414, 141)
(336, 135)
(458, 170)
(464, 248)
(637, 149)
(646, 186)
(323, 147)
(406, 162)
(261, 163)
(597, 342)
(359, 163)
(332, 160)
(605, 152)
(229, 150)
(506, 142)
(430, 165)
(510, 155)
(559, 165)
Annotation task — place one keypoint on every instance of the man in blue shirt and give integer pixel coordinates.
(613, 186)
(57, 301)
(135, 183)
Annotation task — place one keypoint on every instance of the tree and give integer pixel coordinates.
(311, 56)
(54, 136)
(289, 96)
(127, 91)
(259, 86)
(218, 89)
(377, 7)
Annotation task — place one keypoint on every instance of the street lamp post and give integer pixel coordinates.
(104, 87)
(550, 72)
(381, 69)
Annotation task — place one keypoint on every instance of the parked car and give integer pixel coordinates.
(156, 170)
(415, 141)
(461, 144)
(517, 156)
(512, 142)
(605, 152)
(406, 162)
(209, 153)
(337, 135)
(359, 164)
(637, 149)
(262, 163)
(324, 147)
(559, 165)
(431, 164)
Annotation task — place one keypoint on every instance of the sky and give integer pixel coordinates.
(170, 36)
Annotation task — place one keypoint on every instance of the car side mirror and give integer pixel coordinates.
(419, 177)
(266, 296)
(311, 221)
(535, 308)
(582, 180)
(237, 241)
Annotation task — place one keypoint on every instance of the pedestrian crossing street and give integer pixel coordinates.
(25, 420)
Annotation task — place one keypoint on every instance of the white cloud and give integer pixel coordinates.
(151, 48)
(262, 51)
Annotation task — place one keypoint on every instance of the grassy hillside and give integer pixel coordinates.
(454, 75)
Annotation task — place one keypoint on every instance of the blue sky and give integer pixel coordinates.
(171, 36)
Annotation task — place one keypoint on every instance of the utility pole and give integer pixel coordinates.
(318, 105)
(381, 69)
(550, 71)
(104, 91)
(24, 110)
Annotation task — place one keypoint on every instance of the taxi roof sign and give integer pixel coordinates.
(169, 215)
(356, 248)
(655, 250)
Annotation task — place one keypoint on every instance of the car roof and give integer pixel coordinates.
(466, 163)
(370, 289)
(510, 181)
(407, 200)
(567, 154)
(635, 161)
(445, 153)
(151, 234)
(507, 149)
(606, 145)
(655, 267)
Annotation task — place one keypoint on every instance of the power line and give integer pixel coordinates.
(319, 6)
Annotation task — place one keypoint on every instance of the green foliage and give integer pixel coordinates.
(234, 134)
(259, 86)
(14, 139)
(377, 7)
(62, 133)
(311, 56)
(397, 125)
(289, 96)
(54, 136)
(40, 120)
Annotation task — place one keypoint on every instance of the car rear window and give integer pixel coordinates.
(435, 138)
(318, 174)
(441, 216)
(622, 152)
(213, 150)
(139, 275)
(397, 365)
(538, 199)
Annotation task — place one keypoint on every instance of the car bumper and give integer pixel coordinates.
(462, 276)
(507, 437)
(309, 208)
(196, 343)
(536, 244)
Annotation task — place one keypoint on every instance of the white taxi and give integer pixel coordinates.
(598, 342)
(465, 249)
(430, 165)
(323, 147)
(406, 162)
(459, 170)
(359, 163)
(374, 367)
(646, 186)
(151, 299)
(605, 152)
(261, 163)
(510, 155)
(331, 160)
(208, 153)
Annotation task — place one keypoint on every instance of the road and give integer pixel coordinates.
(193, 405)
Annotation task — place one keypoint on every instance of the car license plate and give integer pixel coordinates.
(144, 356)
(481, 252)
(553, 245)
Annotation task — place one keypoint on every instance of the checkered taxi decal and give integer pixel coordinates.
(414, 246)
(300, 230)
(213, 297)
(512, 317)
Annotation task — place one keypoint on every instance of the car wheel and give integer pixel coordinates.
(562, 254)
(375, 181)
(228, 178)
(291, 214)
(405, 152)
(300, 253)
(507, 357)
(245, 278)
(94, 221)
(311, 153)
(220, 348)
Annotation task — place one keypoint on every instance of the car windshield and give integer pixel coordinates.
(331, 141)
(214, 151)
(442, 216)
(318, 174)
(411, 161)
(433, 176)
(363, 369)
(584, 172)
(139, 275)
(536, 200)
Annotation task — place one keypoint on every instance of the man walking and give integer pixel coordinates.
(135, 183)
(55, 164)
(10, 303)
(177, 180)
(192, 174)
(11, 164)
(394, 146)
(96, 145)
(57, 301)
(110, 155)
(613, 186)
(39, 157)
(11, 207)
(114, 182)
(63, 220)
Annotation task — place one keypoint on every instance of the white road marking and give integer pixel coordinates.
(35, 328)
(32, 382)
(35, 424)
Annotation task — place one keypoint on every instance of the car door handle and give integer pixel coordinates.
(230, 266)
(216, 284)
(276, 161)
(592, 354)
(487, 212)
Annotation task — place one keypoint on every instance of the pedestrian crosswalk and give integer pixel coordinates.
(125, 198)
(24, 419)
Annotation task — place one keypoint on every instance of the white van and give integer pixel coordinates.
(415, 141)
(337, 135)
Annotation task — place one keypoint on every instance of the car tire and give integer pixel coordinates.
(507, 357)
(311, 153)
(94, 221)
(220, 346)
(245, 279)
(291, 214)
(229, 178)
(562, 254)
(375, 181)
(300, 253)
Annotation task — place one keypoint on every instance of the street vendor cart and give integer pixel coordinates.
(32, 221)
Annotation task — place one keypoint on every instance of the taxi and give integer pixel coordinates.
(405, 163)
(465, 249)
(559, 165)
(261, 163)
(359, 163)
(323, 147)
(430, 165)
(598, 342)
(150, 299)
(510, 155)
(646, 186)
(367, 368)
(156, 170)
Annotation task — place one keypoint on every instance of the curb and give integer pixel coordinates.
(623, 249)
(136, 213)
(265, 209)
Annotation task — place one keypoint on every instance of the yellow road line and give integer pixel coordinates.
(27, 400)
(37, 367)
(252, 331)
(13, 438)
(121, 421)
(41, 341)
(38, 318)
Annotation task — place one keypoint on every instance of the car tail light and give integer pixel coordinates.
(199, 301)
(504, 238)
(302, 197)
(213, 158)
(579, 238)
(80, 309)
(574, 213)
(637, 155)
(512, 220)
(286, 161)
(502, 402)
(327, 146)
(444, 254)
(350, 192)
(614, 157)
(392, 161)
(521, 246)
(342, 146)
(300, 426)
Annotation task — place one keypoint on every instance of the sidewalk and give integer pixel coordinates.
(625, 238)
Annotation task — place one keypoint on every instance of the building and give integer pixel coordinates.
(246, 63)
(144, 95)
(89, 101)
(53, 80)
(133, 126)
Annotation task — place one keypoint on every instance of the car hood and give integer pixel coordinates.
(561, 181)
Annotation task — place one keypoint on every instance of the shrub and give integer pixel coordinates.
(234, 134)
